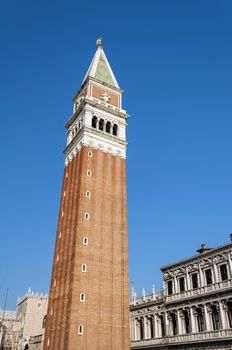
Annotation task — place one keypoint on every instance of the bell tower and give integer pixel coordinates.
(89, 300)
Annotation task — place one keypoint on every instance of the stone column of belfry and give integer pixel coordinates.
(89, 301)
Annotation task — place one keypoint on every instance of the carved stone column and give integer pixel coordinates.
(188, 285)
(144, 323)
(180, 317)
(132, 329)
(201, 277)
(97, 124)
(215, 273)
(193, 319)
(135, 329)
(175, 289)
(166, 324)
(222, 309)
(147, 334)
(69, 137)
(207, 309)
(155, 326)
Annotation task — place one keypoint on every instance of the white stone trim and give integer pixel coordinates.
(96, 142)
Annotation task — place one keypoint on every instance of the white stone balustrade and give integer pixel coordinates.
(204, 336)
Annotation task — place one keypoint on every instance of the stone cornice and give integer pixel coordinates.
(90, 131)
(98, 81)
(197, 257)
(86, 101)
(147, 304)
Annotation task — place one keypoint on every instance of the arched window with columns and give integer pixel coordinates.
(101, 124)
(44, 321)
(108, 127)
(115, 130)
(94, 122)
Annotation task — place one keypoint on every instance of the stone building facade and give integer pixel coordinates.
(18, 328)
(9, 329)
(31, 311)
(194, 310)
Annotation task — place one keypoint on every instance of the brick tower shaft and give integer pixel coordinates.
(89, 300)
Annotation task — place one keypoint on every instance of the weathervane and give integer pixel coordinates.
(99, 42)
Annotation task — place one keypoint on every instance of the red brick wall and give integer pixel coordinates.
(105, 312)
(97, 91)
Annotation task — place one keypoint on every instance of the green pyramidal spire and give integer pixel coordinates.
(100, 68)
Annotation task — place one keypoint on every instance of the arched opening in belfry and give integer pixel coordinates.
(108, 127)
(115, 130)
(101, 124)
(94, 122)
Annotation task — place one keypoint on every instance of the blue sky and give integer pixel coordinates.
(173, 58)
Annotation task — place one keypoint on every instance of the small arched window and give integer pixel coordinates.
(101, 124)
(94, 122)
(84, 268)
(85, 241)
(108, 127)
(115, 130)
(80, 329)
(44, 321)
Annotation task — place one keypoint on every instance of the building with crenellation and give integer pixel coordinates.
(29, 319)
